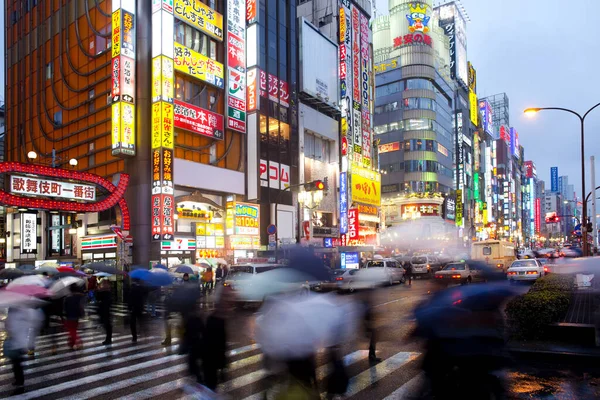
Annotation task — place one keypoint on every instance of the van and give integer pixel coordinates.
(496, 253)
(391, 268)
(424, 264)
(252, 283)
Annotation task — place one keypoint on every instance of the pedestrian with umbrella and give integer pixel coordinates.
(20, 321)
(104, 298)
(74, 311)
(11, 273)
(137, 299)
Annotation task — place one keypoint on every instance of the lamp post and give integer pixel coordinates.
(533, 111)
(32, 156)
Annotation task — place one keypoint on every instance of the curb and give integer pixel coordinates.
(593, 356)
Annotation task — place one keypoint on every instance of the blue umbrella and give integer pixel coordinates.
(184, 269)
(152, 279)
(26, 268)
(160, 266)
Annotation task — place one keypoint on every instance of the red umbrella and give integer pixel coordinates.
(65, 269)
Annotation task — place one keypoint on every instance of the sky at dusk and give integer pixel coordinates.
(540, 53)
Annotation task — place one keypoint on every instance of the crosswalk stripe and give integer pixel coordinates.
(157, 390)
(378, 372)
(409, 388)
(86, 359)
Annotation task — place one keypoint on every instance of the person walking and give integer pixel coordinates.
(192, 341)
(214, 357)
(408, 272)
(219, 273)
(74, 310)
(104, 298)
(136, 307)
(19, 323)
(208, 277)
(92, 286)
(153, 296)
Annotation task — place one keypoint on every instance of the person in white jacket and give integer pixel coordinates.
(20, 324)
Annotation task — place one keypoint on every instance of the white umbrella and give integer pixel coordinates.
(297, 326)
(29, 280)
(276, 281)
(366, 278)
(103, 275)
(12, 299)
(62, 286)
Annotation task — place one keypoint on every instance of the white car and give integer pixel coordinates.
(390, 268)
(526, 270)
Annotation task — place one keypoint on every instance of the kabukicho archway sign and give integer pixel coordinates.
(39, 187)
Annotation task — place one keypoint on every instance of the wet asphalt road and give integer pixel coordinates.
(148, 370)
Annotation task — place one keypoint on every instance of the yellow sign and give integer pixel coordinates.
(116, 126)
(344, 126)
(168, 139)
(474, 107)
(116, 33)
(156, 125)
(343, 26)
(200, 229)
(220, 242)
(366, 186)
(210, 229)
(197, 65)
(198, 15)
(162, 79)
(219, 231)
(245, 242)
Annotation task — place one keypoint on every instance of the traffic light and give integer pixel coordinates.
(314, 186)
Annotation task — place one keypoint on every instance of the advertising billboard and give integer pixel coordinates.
(353, 225)
(505, 134)
(318, 79)
(486, 112)
(389, 147)
(538, 215)
(554, 179)
(28, 233)
(198, 120)
(343, 203)
(200, 16)
(198, 65)
(247, 219)
(236, 66)
(514, 143)
(454, 25)
(450, 208)
(366, 186)
(473, 109)
(365, 58)
(530, 171)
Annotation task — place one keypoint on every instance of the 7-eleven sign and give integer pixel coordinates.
(179, 244)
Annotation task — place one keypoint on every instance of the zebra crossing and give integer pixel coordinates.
(146, 369)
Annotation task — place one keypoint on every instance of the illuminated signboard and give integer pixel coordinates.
(409, 211)
(247, 219)
(252, 90)
(459, 208)
(116, 33)
(450, 208)
(454, 26)
(198, 120)
(50, 188)
(353, 225)
(178, 245)
(529, 169)
(251, 11)
(474, 110)
(198, 65)
(343, 203)
(505, 134)
(244, 242)
(274, 175)
(162, 79)
(389, 147)
(366, 186)
(200, 16)
(486, 111)
(514, 143)
(28, 233)
(365, 57)
(277, 90)
(236, 66)
(418, 27)
(538, 215)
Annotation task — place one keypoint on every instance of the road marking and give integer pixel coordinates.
(390, 302)
(409, 388)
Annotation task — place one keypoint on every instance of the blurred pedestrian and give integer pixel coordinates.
(92, 286)
(408, 272)
(167, 321)
(104, 298)
(74, 310)
(219, 273)
(136, 307)
(186, 277)
(19, 323)
(214, 357)
(369, 322)
(192, 341)
(153, 296)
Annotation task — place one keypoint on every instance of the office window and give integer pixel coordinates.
(316, 148)
(443, 150)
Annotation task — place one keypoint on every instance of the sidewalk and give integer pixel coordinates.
(553, 351)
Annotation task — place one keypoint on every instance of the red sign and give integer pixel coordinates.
(389, 147)
(252, 90)
(356, 55)
(505, 134)
(122, 79)
(235, 52)
(409, 211)
(528, 169)
(344, 146)
(412, 39)
(353, 226)
(276, 88)
(538, 215)
(198, 120)
(306, 228)
(115, 197)
(343, 65)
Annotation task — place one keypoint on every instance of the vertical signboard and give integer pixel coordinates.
(28, 233)
(365, 57)
(343, 203)
(356, 87)
(514, 143)
(454, 26)
(122, 79)
(460, 154)
(236, 65)
(486, 111)
(459, 208)
(162, 127)
(554, 179)
(538, 215)
(353, 226)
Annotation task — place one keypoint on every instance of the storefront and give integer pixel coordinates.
(243, 230)
(178, 251)
(99, 248)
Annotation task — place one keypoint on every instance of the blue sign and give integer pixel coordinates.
(514, 143)
(271, 229)
(486, 111)
(343, 203)
(554, 179)
(350, 260)
(328, 243)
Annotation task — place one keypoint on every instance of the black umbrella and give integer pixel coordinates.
(307, 263)
(183, 298)
(101, 267)
(11, 273)
(26, 267)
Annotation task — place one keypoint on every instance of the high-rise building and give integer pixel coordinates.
(414, 120)
(143, 104)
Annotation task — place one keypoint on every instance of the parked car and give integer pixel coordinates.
(460, 272)
(248, 289)
(391, 268)
(526, 270)
(424, 265)
(331, 284)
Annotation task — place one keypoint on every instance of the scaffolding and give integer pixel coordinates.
(500, 111)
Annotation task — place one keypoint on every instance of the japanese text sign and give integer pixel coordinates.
(366, 186)
(198, 120)
(45, 187)
(198, 65)
(200, 16)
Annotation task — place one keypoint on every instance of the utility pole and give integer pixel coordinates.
(593, 216)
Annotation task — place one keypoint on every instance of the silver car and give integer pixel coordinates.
(391, 268)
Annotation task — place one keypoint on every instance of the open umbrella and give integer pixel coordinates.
(101, 267)
(102, 275)
(134, 267)
(62, 287)
(11, 273)
(30, 290)
(29, 280)
(13, 299)
(77, 274)
(160, 266)
(184, 269)
(65, 269)
(48, 270)
(152, 278)
(26, 267)
(307, 263)
(184, 298)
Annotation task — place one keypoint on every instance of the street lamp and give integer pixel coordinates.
(534, 110)
(73, 162)
(32, 155)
